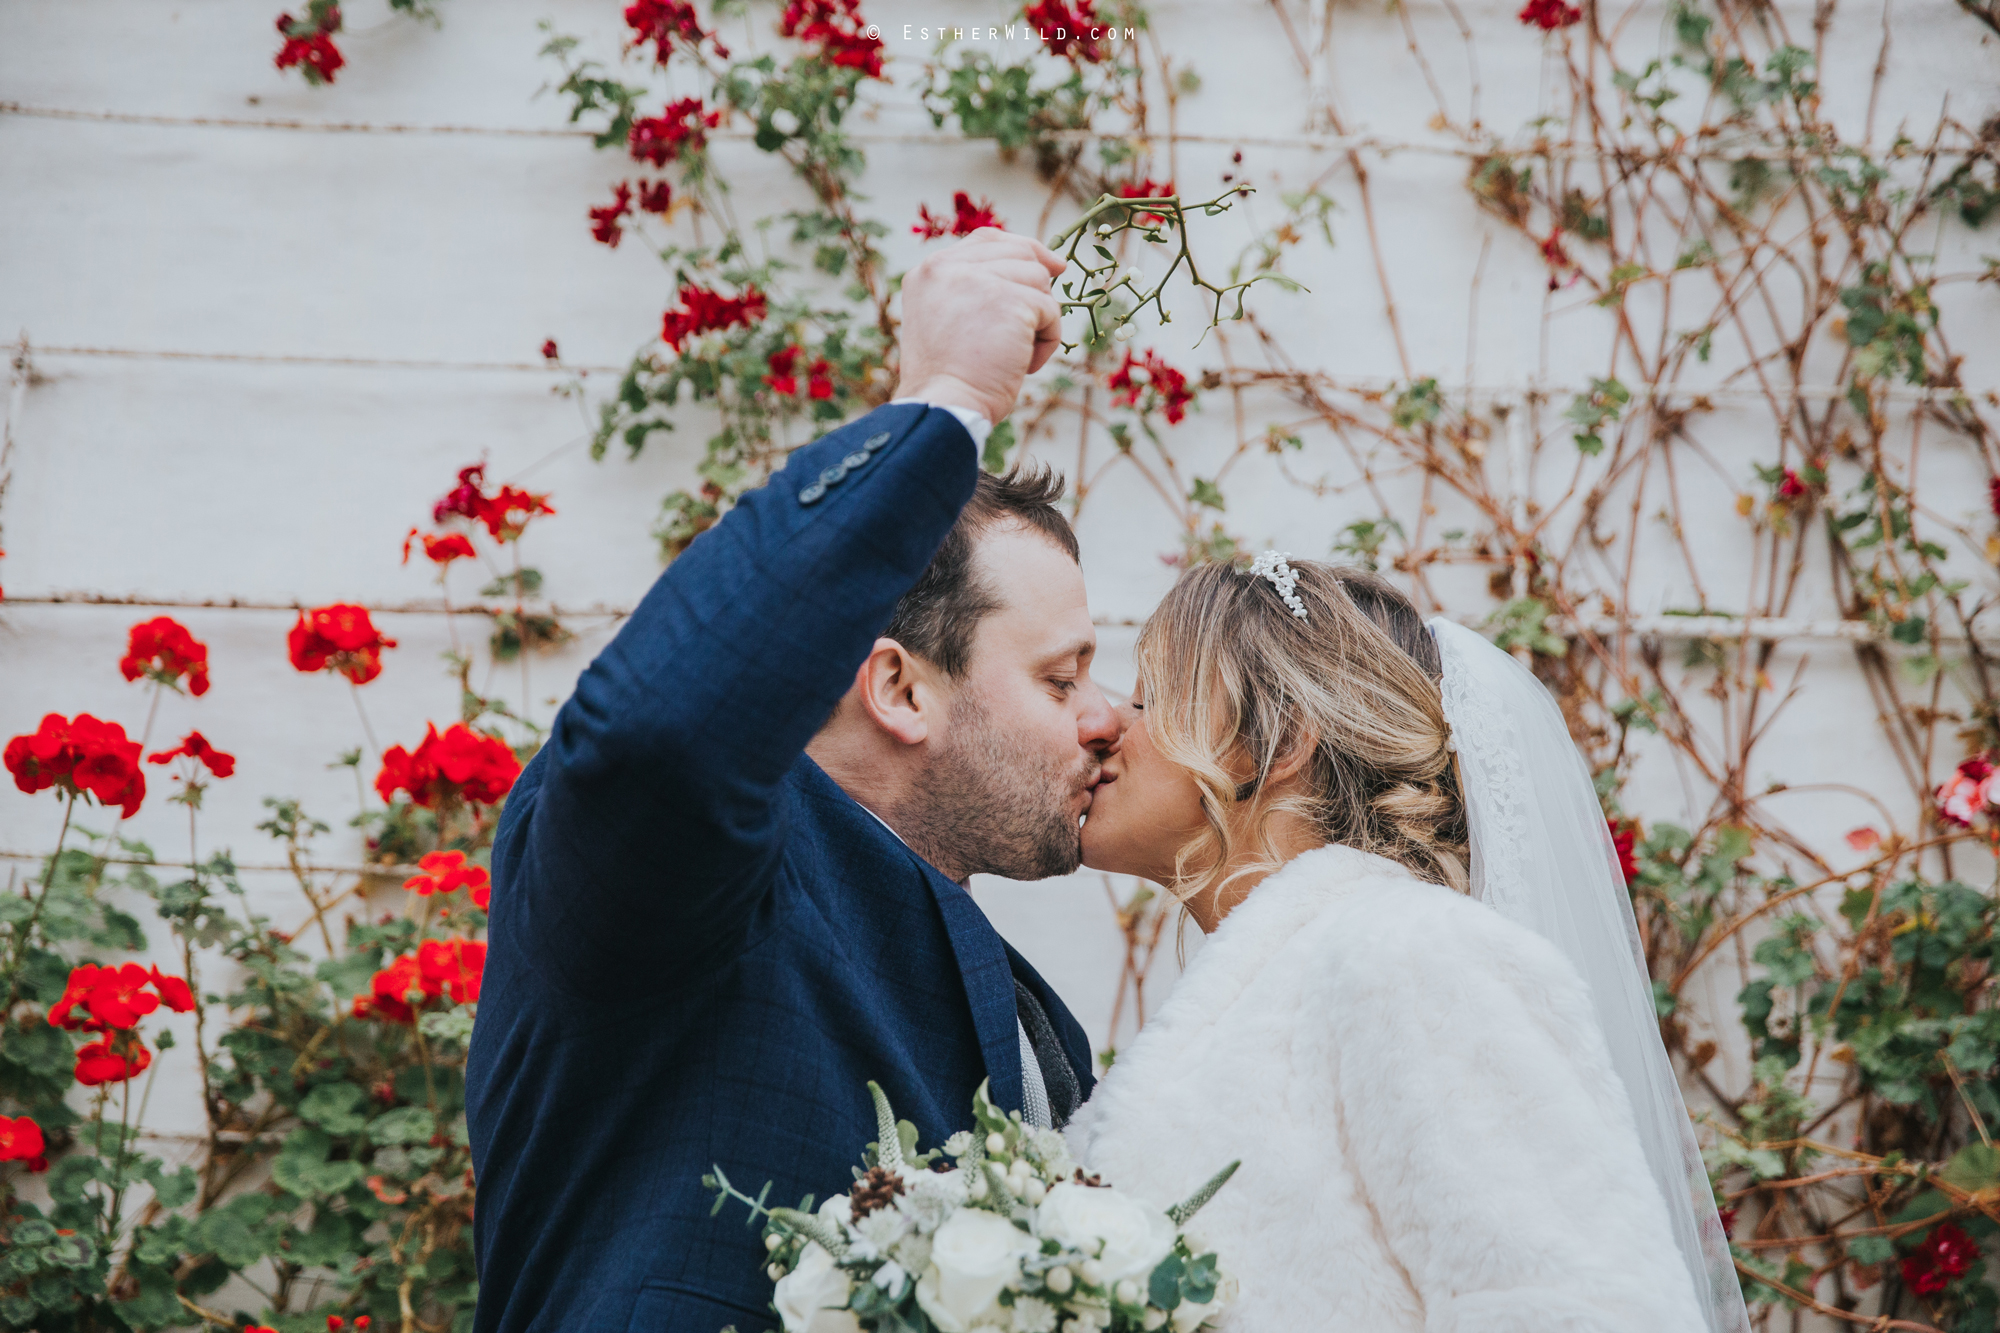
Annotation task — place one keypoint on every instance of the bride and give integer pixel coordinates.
(1420, 1018)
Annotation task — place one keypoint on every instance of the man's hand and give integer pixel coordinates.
(978, 318)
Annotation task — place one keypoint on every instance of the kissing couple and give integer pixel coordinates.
(730, 891)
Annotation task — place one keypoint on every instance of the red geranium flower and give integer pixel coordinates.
(968, 218)
(549, 351)
(1065, 29)
(1967, 792)
(1947, 1253)
(1147, 188)
(505, 513)
(309, 43)
(1792, 487)
(1625, 837)
(819, 379)
(1556, 256)
(1152, 379)
(461, 762)
(464, 500)
(655, 196)
(1992, 498)
(195, 746)
(116, 997)
(837, 28)
(339, 638)
(680, 128)
(704, 311)
(1548, 15)
(389, 993)
(447, 872)
(83, 757)
(111, 1059)
(20, 1139)
(453, 967)
(440, 548)
(438, 968)
(604, 221)
(661, 21)
(781, 377)
(161, 649)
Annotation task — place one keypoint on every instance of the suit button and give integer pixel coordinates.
(833, 474)
(811, 493)
(855, 459)
(875, 441)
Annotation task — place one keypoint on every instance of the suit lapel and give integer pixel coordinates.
(989, 985)
(984, 959)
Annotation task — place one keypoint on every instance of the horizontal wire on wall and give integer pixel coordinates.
(268, 867)
(1661, 626)
(1329, 143)
(543, 367)
(421, 607)
(1371, 385)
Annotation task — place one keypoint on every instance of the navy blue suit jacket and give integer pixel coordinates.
(701, 947)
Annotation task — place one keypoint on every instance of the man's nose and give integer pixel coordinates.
(1098, 725)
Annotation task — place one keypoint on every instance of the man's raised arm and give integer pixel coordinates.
(646, 829)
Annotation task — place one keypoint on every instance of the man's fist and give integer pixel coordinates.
(977, 319)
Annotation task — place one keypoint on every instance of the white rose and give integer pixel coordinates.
(973, 1256)
(1134, 1238)
(810, 1296)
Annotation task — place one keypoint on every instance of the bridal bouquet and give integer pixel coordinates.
(1014, 1237)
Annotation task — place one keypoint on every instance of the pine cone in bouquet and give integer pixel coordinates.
(1011, 1235)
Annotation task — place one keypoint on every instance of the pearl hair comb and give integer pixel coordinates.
(1273, 565)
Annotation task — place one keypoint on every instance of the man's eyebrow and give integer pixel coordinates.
(1082, 650)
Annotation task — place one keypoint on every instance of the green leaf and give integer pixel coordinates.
(1973, 1167)
(302, 1167)
(229, 1233)
(405, 1124)
(332, 1238)
(42, 1049)
(34, 1231)
(1205, 493)
(1871, 1249)
(1164, 1287)
(172, 1191)
(335, 1108)
(998, 441)
(76, 1251)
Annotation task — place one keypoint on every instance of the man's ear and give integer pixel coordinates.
(899, 692)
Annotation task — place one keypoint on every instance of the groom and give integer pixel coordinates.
(729, 890)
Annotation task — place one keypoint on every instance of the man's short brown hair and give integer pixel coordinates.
(937, 617)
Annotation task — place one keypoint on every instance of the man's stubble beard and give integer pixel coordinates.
(987, 804)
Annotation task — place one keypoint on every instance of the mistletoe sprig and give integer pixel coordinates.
(1097, 292)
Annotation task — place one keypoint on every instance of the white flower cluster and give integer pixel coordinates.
(1013, 1239)
(1275, 566)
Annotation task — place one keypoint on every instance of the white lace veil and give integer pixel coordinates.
(1542, 856)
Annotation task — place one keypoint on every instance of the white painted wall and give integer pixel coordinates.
(209, 479)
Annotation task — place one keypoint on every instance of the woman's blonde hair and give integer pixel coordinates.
(1234, 680)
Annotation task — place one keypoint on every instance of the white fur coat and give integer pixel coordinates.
(1432, 1136)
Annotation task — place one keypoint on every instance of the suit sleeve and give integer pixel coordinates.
(1494, 1141)
(647, 830)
